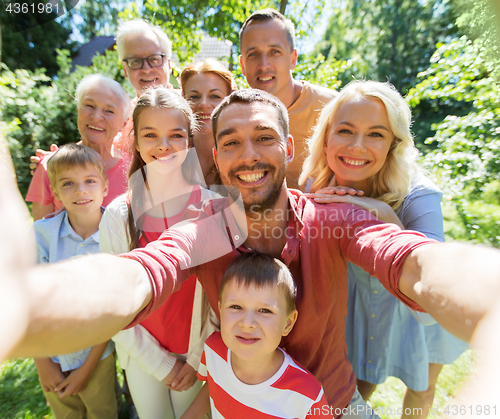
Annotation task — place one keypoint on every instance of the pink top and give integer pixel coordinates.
(39, 190)
(320, 240)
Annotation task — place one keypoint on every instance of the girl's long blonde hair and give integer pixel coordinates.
(391, 183)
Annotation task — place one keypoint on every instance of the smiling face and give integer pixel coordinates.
(204, 91)
(267, 58)
(142, 45)
(253, 320)
(81, 189)
(252, 153)
(100, 115)
(162, 138)
(358, 142)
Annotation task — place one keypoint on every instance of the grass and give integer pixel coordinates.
(22, 398)
(390, 394)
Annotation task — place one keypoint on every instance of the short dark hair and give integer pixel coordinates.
(261, 270)
(249, 96)
(270, 14)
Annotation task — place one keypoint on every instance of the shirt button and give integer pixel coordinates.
(375, 292)
(373, 315)
(369, 361)
(236, 237)
(81, 244)
(371, 338)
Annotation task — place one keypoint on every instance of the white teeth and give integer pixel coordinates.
(354, 162)
(204, 116)
(95, 128)
(83, 202)
(252, 177)
(265, 78)
(165, 158)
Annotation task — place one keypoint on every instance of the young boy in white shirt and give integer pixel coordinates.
(247, 374)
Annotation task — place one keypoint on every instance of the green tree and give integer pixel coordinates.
(26, 43)
(96, 17)
(460, 83)
(36, 111)
(184, 21)
(387, 40)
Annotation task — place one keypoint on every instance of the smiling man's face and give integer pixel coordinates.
(252, 153)
(267, 57)
(143, 45)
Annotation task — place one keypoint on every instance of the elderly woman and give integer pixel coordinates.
(103, 107)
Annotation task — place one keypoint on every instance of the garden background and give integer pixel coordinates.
(443, 55)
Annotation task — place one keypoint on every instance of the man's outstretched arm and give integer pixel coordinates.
(58, 308)
(456, 283)
(81, 302)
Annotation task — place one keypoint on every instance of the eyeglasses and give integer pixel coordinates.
(155, 60)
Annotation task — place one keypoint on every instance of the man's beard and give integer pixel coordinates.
(269, 199)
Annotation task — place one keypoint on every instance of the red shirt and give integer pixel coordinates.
(171, 323)
(321, 239)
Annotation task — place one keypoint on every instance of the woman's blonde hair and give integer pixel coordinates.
(391, 183)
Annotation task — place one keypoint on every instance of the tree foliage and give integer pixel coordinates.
(460, 84)
(96, 17)
(387, 40)
(184, 21)
(36, 111)
(29, 40)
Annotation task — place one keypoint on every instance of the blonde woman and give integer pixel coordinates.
(362, 152)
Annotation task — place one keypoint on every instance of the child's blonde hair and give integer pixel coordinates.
(74, 155)
(391, 183)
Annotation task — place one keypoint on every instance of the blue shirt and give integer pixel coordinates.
(56, 240)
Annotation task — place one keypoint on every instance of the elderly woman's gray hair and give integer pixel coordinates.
(98, 79)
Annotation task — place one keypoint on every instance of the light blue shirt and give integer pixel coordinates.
(56, 240)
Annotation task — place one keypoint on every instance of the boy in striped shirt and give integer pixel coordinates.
(248, 375)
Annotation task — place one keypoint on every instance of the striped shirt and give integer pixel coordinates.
(292, 392)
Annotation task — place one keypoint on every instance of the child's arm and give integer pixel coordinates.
(49, 373)
(79, 379)
(199, 406)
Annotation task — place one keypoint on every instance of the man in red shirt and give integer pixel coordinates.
(103, 294)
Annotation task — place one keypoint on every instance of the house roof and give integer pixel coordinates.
(210, 48)
(97, 45)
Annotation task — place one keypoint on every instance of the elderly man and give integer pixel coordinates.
(86, 300)
(145, 52)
